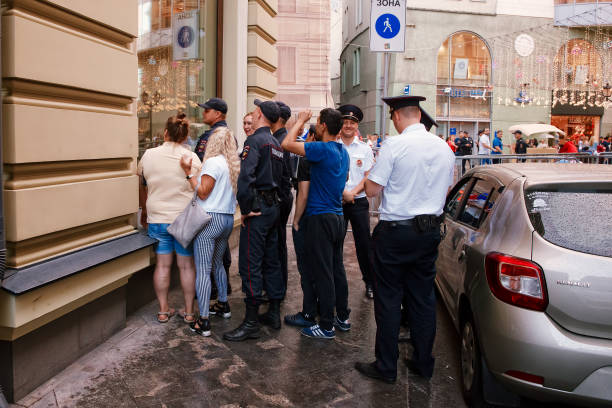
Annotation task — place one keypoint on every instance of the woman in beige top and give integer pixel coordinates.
(164, 194)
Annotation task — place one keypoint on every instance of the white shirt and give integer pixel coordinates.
(484, 139)
(222, 198)
(361, 160)
(416, 169)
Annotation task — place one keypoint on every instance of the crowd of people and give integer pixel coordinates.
(331, 171)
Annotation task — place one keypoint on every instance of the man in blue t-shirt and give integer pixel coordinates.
(329, 166)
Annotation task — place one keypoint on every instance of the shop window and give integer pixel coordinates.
(578, 65)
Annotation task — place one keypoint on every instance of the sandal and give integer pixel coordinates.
(168, 315)
(190, 315)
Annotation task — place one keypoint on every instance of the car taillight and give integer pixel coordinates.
(516, 281)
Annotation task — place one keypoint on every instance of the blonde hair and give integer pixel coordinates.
(222, 142)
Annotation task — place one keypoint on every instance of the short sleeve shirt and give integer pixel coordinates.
(484, 139)
(416, 169)
(361, 161)
(329, 167)
(222, 198)
(497, 142)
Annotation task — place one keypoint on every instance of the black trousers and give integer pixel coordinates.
(284, 209)
(227, 260)
(404, 264)
(324, 242)
(309, 302)
(258, 262)
(358, 214)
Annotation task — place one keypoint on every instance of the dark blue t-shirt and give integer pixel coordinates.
(329, 166)
(497, 142)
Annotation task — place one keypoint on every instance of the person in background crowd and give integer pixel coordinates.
(307, 316)
(606, 143)
(329, 169)
(261, 172)
(464, 148)
(520, 147)
(451, 144)
(164, 194)
(356, 207)
(279, 131)
(247, 124)
(216, 187)
(414, 173)
(566, 146)
(484, 145)
(498, 145)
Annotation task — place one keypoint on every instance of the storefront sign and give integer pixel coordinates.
(465, 93)
(185, 35)
(388, 20)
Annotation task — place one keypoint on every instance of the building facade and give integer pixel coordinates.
(485, 64)
(83, 87)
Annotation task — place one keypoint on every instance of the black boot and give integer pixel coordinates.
(272, 316)
(248, 329)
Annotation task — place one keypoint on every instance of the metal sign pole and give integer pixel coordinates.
(385, 93)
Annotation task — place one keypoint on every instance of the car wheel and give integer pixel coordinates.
(471, 367)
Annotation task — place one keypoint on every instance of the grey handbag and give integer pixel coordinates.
(189, 223)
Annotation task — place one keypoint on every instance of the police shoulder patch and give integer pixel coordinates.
(245, 152)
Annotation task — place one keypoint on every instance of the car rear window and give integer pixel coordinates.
(573, 217)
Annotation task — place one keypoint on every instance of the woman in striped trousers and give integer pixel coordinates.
(217, 195)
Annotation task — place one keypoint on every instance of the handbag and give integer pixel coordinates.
(189, 222)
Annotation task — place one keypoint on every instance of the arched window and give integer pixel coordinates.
(578, 65)
(463, 100)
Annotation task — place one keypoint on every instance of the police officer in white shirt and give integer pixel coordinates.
(414, 171)
(355, 205)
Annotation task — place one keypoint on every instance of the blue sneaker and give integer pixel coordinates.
(342, 325)
(300, 319)
(316, 332)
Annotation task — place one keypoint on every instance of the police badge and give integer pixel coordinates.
(245, 152)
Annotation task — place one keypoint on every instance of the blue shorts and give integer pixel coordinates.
(166, 243)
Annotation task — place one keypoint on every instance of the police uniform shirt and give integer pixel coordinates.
(261, 167)
(416, 169)
(285, 187)
(361, 161)
(200, 148)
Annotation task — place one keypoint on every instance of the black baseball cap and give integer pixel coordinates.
(398, 102)
(217, 104)
(285, 111)
(517, 131)
(351, 112)
(269, 109)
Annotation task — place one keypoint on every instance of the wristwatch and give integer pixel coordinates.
(189, 177)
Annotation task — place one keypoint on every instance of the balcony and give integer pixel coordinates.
(581, 13)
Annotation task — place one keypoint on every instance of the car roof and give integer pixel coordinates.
(537, 173)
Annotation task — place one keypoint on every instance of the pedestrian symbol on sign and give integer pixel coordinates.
(388, 26)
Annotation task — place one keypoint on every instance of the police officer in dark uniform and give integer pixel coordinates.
(286, 197)
(257, 193)
(213, 115)
(355, 205)
(416, 170)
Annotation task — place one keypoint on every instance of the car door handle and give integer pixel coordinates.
(461, 256)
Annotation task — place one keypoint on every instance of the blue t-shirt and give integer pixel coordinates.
(497, 142)
(329, 167)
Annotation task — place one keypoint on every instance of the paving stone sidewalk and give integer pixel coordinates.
(148, 364)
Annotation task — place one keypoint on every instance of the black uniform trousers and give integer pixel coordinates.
(324, 244)
(358, 213)
(285, 209)
(309, 302)
(404, 263)
(258, 256)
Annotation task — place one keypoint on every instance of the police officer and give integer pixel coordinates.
(213, 115)
(415, 169)
(286, 197)
(355, 206)
(257, 193)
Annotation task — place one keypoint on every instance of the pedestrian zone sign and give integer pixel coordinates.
(388, 26)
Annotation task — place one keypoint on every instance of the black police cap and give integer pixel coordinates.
(217, 104)
(351, 112)
(285, 111)
(398, 102)
(269, 109)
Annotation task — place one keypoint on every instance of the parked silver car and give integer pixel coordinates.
(525, 270)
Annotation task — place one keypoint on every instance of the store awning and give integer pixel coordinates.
(530, 129)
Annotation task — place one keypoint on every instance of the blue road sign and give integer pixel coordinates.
(407, 90)
(388, 26)
(453, 131)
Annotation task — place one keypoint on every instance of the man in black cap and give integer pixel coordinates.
(279, 131)
(355, 205)
(521, 146)
(213, 115)
(257, 193)
(414, 171)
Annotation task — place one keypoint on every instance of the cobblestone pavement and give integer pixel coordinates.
(148, 364)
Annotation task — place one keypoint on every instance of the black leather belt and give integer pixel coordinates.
(403, 223)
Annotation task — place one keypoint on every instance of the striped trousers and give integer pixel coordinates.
(208, 248)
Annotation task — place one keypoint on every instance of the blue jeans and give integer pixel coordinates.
(166, 243)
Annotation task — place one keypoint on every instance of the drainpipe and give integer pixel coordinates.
(2, 241)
